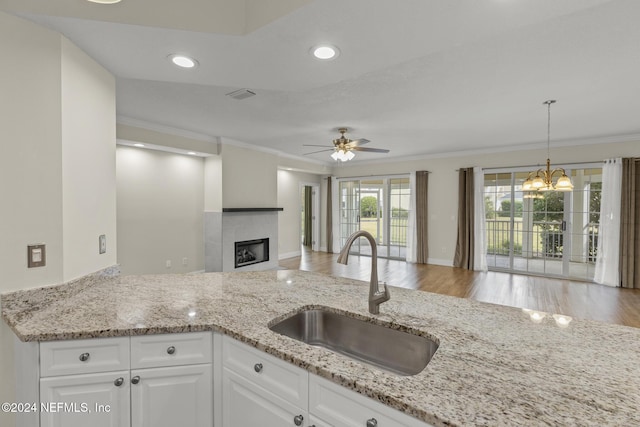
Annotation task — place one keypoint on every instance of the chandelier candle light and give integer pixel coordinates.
(543, 177)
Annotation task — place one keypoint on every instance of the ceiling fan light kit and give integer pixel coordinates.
(343, 148)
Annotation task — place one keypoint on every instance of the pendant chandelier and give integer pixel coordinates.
(543, 179)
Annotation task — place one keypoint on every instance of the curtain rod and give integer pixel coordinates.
(585, 164)
(376, 176)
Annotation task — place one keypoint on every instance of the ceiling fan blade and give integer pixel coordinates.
(371, 150)
(314, 145)
(358, 142)
(321, 151)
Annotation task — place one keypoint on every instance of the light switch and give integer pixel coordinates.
(36, 255)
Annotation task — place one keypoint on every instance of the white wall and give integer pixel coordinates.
(289, 198)
(88, 163)
(160, 211)
(213, 184)
(39, 125)
(249, 178)
(443, 181)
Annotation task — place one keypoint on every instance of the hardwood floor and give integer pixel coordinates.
(575, 299)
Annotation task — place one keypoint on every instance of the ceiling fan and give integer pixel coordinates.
(343, 148)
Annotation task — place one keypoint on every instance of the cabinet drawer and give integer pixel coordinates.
(338, 406)
(152, 351)
(84, 356)
(277, 376)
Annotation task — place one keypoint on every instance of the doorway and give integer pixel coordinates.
(309, 216)
(379, 206)
(550, 233)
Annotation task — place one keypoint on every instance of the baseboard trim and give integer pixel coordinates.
(443, 262)
(289, 255)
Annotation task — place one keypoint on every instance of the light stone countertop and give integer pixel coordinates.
(494, 366)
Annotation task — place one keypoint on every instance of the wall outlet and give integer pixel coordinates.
(168, 263)
(36, 255)
(102, 244)
(185, 261)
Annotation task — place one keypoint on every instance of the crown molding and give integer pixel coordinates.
(128, 121)
(572, 142)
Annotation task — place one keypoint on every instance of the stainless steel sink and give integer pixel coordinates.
(388, 349)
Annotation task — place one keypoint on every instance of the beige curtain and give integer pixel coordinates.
(464, 246)
(422, 191)
(630, 224)
(329, 218)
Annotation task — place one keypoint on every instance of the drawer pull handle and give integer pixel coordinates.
(298, 419)
(84, 357)
(118, 382)
(135, 380)
(372, 422)
(171, 350)
(257, 367)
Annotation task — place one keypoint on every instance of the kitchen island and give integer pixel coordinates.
(495, 365)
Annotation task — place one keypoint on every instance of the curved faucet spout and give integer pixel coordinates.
(376, 296)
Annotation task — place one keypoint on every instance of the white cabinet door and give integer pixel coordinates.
(173, 396)
(316, 422)
(245, 404)
(96, 400)
(342, 407)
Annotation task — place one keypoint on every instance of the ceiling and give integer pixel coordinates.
(419, 77)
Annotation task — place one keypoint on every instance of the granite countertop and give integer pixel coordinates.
(494, 365)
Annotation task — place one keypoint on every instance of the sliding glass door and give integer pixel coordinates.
(547, 233)
(379, 206)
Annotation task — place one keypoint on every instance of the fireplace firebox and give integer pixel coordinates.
(251, 252)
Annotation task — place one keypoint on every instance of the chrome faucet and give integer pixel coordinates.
(376, 297)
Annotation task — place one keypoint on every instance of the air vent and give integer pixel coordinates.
(241, 94)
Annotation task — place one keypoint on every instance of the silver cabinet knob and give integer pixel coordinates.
(135, 380)
(118, 382)
(372, 422)
(171, 350)
(84, 357)
(298, 419)
(257, 367)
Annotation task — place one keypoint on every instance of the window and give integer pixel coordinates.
(548, 233)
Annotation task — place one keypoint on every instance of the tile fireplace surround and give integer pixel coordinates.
(223, 229)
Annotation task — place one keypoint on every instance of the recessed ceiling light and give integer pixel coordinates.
(104, 1)
(193, 153)
(325, 52)
(183, 61)
(138, 145)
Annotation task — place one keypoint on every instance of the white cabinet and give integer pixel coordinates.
(171, 380)
(151, 380)
(97, 400)
(174, 396)
(246, 404)
(85, 382)
(338, 406)
(261, 390)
